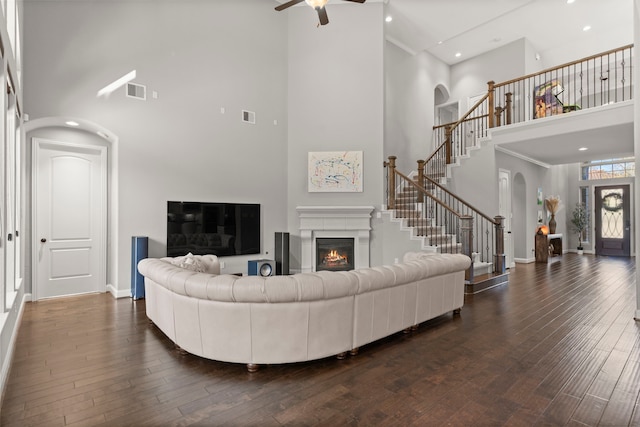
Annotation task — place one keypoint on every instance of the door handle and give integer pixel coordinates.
(43, 240)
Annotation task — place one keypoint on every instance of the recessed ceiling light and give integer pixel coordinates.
(72, 123)
(388, 18)
(570, 1)
(458, 55)
(582, 149)
(586, 28)
(440, 42)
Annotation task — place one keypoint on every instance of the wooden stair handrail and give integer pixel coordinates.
(463, 121)
(456, 124)
(422, 190)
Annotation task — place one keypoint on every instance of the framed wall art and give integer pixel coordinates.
(335, 171)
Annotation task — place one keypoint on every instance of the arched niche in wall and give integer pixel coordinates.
(74, 129)
(445, 111)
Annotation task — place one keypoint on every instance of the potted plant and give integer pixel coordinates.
(580, 221)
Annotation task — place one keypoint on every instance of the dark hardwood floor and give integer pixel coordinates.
(557, 346)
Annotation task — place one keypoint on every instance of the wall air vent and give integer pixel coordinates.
(249, 117)
(136, 91)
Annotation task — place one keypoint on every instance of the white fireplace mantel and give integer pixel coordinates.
(334, 221)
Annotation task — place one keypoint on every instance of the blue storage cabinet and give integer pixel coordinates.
(139, 251)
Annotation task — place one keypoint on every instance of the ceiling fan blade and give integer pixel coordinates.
(283, 6)
(356, 1)
(322, 14)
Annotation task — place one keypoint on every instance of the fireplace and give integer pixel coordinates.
(334, 254)
(334, 222)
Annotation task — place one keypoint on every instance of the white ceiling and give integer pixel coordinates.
(554, 29)
(472, 27)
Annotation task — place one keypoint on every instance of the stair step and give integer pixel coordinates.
(486, 281)
(407, 213)
(434, 236)
(449, 248)
(482, 268)
(405, 204)
(439, 239)
(420, 222)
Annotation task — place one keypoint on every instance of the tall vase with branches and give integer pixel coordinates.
(553, 205)
(580, 222)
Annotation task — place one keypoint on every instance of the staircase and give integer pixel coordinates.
(445, 223)
(434, 236)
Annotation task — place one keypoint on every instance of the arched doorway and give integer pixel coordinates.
(77, 132)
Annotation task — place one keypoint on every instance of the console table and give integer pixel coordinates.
(547, 246)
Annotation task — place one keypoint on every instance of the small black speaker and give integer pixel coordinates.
(282, 253)
(262, 267)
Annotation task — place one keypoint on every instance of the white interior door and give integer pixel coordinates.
(70, 220)
(504, 195)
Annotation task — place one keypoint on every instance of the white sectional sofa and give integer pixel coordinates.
(282, 319)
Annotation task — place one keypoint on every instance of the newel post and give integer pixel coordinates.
(499, 111)
(448, 131)
(420, 180)
(466, 234)
(499, 257)
(492, 102)
(391, 189)
(509, 102)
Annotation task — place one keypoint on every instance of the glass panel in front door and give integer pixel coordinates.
(613, 235)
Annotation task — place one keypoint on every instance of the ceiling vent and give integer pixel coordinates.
(136, 91)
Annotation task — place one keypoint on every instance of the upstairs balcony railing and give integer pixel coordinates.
(594, 81)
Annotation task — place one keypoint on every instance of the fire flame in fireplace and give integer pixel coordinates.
(334, 258)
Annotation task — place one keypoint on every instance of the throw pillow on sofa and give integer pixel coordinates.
(189, 262)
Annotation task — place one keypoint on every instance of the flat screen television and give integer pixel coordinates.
(222, 229)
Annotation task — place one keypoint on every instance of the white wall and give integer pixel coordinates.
(336, 103)
(410, 81)
(199, 57)
(586, 44)
(470, 77)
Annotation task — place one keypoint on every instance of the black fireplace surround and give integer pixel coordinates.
(335, 253)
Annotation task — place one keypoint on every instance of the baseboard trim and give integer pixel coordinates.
(118, 293)
(6, 363)
(524, 260)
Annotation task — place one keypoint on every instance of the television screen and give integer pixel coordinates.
(222, 229)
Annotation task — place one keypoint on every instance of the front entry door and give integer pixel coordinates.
(70, 220)
(612, 221)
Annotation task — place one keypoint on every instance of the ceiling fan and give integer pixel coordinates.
(318, 5)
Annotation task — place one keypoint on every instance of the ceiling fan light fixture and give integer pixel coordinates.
(316, 3)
